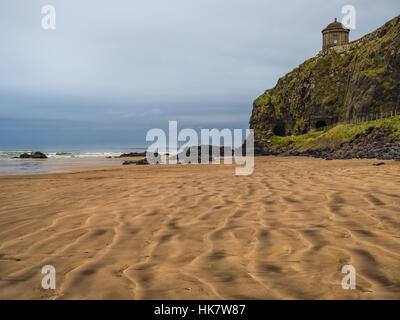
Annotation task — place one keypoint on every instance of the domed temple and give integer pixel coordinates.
(335, 34)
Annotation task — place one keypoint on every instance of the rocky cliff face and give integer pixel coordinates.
(339, 84)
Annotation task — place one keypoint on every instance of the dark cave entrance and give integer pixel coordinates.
(280, 129)
(320, 124)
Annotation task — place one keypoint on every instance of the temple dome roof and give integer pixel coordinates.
(335, 25)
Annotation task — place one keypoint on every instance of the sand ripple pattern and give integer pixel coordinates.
(200, 232)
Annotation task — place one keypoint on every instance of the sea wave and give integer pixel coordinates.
(7, 155)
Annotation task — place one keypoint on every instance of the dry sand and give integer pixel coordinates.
(200, 232)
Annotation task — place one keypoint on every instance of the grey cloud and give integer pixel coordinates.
(143, 62)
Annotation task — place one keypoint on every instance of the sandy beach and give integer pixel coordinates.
(200, 232)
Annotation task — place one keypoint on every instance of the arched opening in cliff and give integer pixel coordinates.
(280, 129)
(320, 124)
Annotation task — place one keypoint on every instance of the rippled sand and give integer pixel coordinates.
(200, 232)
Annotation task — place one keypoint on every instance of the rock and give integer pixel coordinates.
(127, 162)
(25, 155)
(38, 155)
(222, 151)
(373, 143)
(378, 164)
(63, 154)
(137, 162)
(33, 155)
(142, 162)
(133, 154)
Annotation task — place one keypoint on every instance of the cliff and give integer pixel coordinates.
(339, 84)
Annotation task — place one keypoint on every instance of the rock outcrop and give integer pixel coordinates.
(33, 155)
(221, 151)
(137, 162)
(339, 84)
(373, 143)
(132, 154)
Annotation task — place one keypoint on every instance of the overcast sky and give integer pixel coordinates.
(114, 69)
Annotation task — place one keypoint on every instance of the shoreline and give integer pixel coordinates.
(66, 166)
(11, 167)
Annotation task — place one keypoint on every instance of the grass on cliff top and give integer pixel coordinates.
(334, 136)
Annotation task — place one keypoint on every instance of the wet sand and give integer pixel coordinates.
(52, 165)
(200, 232)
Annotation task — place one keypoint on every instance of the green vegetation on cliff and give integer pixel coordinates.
(334, 136)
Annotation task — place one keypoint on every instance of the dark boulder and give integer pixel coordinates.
(137, 162)
(33, 155)
(133, 154)
(128, 162)
(25, 155)
(142, 162)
